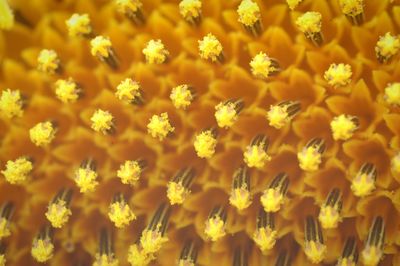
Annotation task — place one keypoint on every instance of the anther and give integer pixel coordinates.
(265, 234)
(387, 47)
(130, 171)
(364, 182)
(315, 249)
(350, 253)
(256, 154)
(329, 215)
(49, 62)
(58, 211)
(188, 255)
(79, 25)
(137, 256)
(155, 52)
(215, 224)
(343, 126)
(67, 90)
(159, 126)
(205, 143)
(105, 255)
(353, 10)
(210, 48)
(283, 259)
(240, 193)
(250, 16)
(228, 112)
(6, 213)
(281, 114)
(132, 10)
(42, 134)
(263, 66)
(338, 75)
(11, 103)
(129, 92)
(292, 4)
(102, 121)
(392, 94)
(240, 257)
(101, 48)
(119, 211)
(179, 187)
(182, 96)
(18, 172)
(86, 175)
(6, 16)
(274, 196)
(42, 247)
(373, 248)
(191, 11)
(310, 24)
(2, 254)
(311, 155)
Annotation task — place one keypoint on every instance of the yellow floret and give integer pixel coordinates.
(42, 249)
(190, 9)
(387, 46)
(293, 3)
(395, 164)
(129, 172)
(42, 134)
(100, 46)
(352, 7)
(338, 75)
(215, 228)
(105, 260)
(152, 241)
(67, 90)
(159, 126)
(329, 217)
(176, 192)
(2, 257)
(272, 200)
(225, 114)
(210, 48)
(278, 116)
(120, 214)
(181, 96)
(4, 227)
(138, 257)
(371, 255)
(48, 61)
(102, 121)
(11, 103)
(255, 156)
(79, 25)
(343, 127)
(309, 22)
(128, 91)
(262, 66)
(58, 213)
(249, 13)
(392, 93)
(315, 251)
(17, 172)
(309, 159)
(6, 16)
(155, 52)
(363, 185)
(265, 238)
(240, 197)
(85, 179)
(127, 6)
(205, 143)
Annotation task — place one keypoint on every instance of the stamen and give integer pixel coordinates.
(2, 254)
(240, 257)
(129, 92)
(250, 16)
(101, 47)
(263, 66)
(293, 3)
(392, 94)
(350, 253)
(373, 249)
(182, 96)
(153, 237)
(329, 215)
(179, 188)
(67, 90)
(132, 10)
(265, 234)
(155, 52)
(58, 211)
(18, 172)
(119, 212)
(130, 171)
(188, 255)
(205, 143)
(159, 126)
(343, 126)
(338, 75)
(102, 121)
(48, 62)
(310, 24)
(137, 256)
(395, 164)
(255, 154)
(191, 11)
(387, 47)
(314, 249)
(85, 176)
(6, 16)
(6, 213)
(310, 156)
(273, 197)
(79, 25)
(42, 246)
(211, 49)
(227, 112)
(353, 10)
(42, 134)
(281, 114)
(215, 224)
(11, 103)
(364, 182)
(240, 194)
(283, 259)
(105, 255)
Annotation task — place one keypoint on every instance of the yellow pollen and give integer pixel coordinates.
(181, 96)
(262, 66)
(272, 200)
(240, 197)
(309, 22)
(102, 121)
(159, 126)
(215, 228)
(329, 217)
(315, 251)
(67, 90)
(255, 155)
(395, 164)
(100, 46)
(363, 185)
(17, 172)
(278, 116)
(352, 7)
(85, 179)
(309, 159)
(127, 6)
(392, 93)
(129, 172)
(152, 241)
(346, 262)
(342, 127)
(205, 143)
(2, 257)
(190, 9)
(249, 13)
(11, 103)
(58, 213)
(105, 260)
(293, 3)
(225, 114)
(371, 255)
(48, 61)
(138, 257)
(265, 238)
(128, 91)
(4, 227)
(120, 214)
(42, 249)
(155, 52)
(338, 75)
(387, 46)
(79, 25)
(42, 134)
(176, 192)
(210, 48)
(186, 262)
(6, 16)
